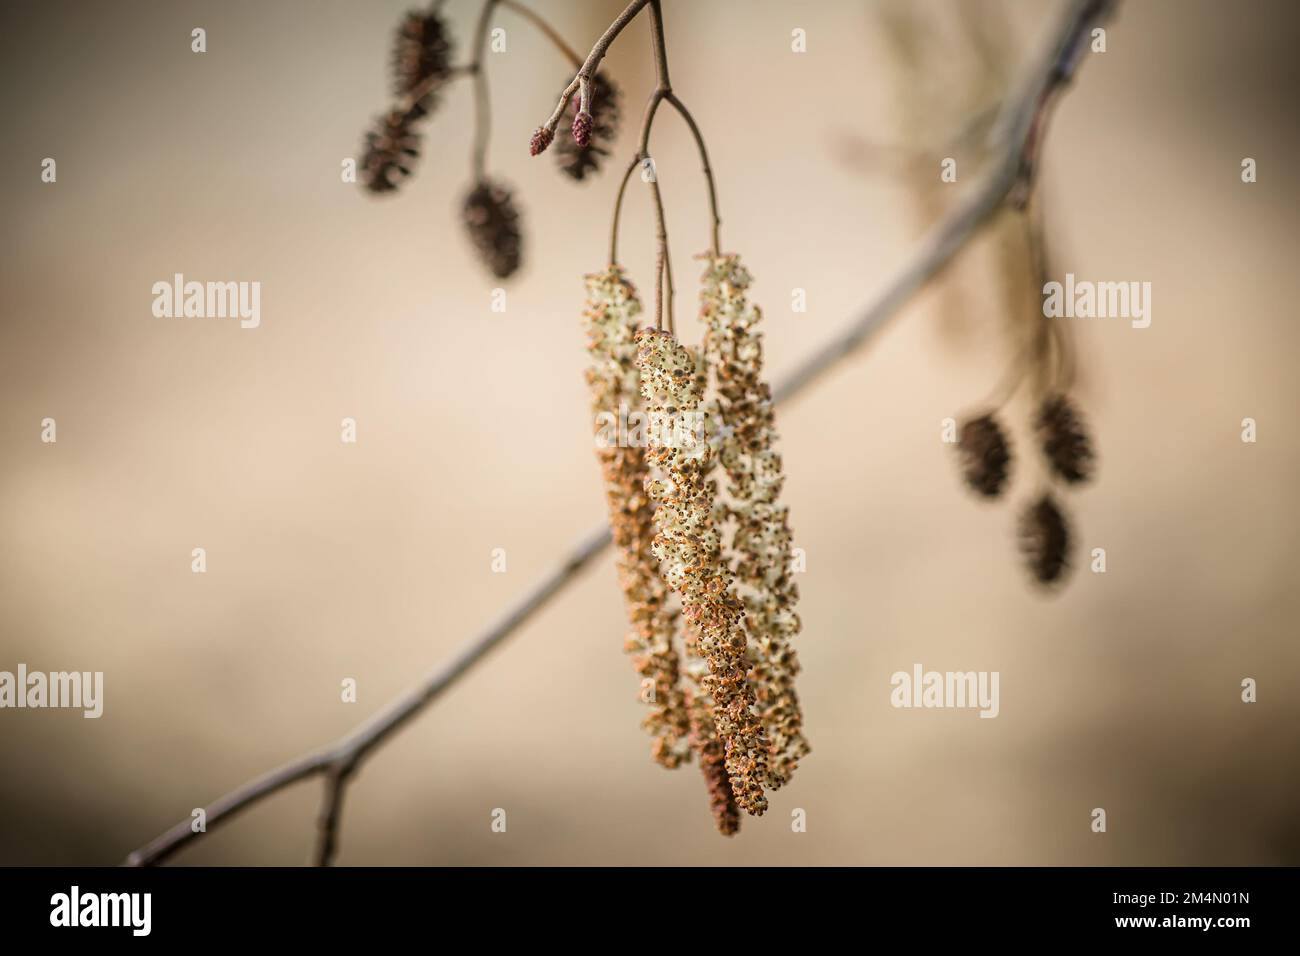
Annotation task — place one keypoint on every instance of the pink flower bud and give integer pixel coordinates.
(582, 124)
(541, 139)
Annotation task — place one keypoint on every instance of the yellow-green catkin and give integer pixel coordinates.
(689, 550)
(614, 381)
(761, 541)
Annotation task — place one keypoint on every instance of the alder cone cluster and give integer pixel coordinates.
(422, 57)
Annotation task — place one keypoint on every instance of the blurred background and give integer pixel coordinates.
(372, 560)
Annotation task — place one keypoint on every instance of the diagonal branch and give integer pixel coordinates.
(1016, 132)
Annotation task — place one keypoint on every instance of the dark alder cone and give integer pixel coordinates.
(493, 224)
(422, 54)
(1065, 440)
(1045, 539)
(985, 455)
(592, 142)
(392, 146)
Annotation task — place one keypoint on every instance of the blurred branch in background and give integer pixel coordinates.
(949, 69)
(1013, 140)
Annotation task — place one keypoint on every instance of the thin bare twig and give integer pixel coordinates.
(618, 208)
(716, 240)
(545, 28)
(582, 81)
(477, 69)
(331, 812)
(344, 756)
(642, 155)
(482, 99)
(663, 92)
(664, 263)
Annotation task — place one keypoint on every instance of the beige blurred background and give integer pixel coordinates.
(372, 560)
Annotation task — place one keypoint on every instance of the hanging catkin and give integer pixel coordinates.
(612, 308)
(713, 764)
(761, 542)
(689, 549)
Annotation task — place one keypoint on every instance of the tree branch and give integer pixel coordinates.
(1022, 115)
(582, 81)
(331, 812)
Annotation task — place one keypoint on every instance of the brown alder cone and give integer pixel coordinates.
(392, 146)
(1065, 439)
(610, 318)
(1045, 539)
(691, 554)
(422, 55)
(762, 541)
(985, 455)
(492, 221)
